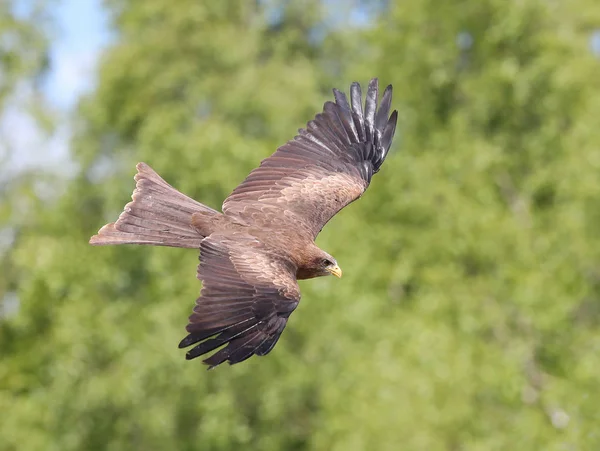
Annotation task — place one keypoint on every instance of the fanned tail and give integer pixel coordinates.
(158, 215)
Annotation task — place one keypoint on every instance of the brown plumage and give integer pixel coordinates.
(253, 253)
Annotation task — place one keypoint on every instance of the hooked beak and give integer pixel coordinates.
(335, 270)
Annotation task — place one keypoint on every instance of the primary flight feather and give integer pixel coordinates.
(253, 253)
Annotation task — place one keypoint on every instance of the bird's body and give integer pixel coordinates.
(252, 254)
(280, 239)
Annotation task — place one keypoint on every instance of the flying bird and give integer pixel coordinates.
(253, 253)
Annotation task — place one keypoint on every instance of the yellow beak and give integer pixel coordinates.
(335, 270)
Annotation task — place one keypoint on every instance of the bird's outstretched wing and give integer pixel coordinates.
(247, 296)
(324, 168)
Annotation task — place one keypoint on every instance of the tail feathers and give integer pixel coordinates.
(158, 215)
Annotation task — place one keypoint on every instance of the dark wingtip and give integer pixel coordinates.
(389, 132)
(216, 359)
(356, 98)
(383, 112)
(341, 99)
(374, 83)
(371, 108)
(187, 341)
(374, 123)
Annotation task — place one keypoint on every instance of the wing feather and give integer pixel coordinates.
(247, 296)
(325, 167)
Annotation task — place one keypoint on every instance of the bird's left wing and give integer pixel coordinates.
(324, 168)
(247, 296)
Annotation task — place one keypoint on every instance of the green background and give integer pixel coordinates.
(468, 317)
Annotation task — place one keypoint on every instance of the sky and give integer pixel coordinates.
(81, 34)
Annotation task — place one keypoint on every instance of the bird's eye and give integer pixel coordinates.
(327, 262)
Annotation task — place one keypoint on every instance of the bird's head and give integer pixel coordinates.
(330, 266)
(319, 264)
(325, 265)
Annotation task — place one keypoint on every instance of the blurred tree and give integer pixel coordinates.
(23, 62)
(475, 322)
(23, 45)
(202, 91)
(24, 30)
(484, 333)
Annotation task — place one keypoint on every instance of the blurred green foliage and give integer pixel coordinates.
(468, 317)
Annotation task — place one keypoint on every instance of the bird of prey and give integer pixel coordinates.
(253, 253)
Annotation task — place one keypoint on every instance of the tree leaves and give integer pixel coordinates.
(466, 317)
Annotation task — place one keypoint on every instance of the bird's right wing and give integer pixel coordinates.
(247, 296)
(324, 168)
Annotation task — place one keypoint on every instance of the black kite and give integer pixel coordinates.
(253, 253)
